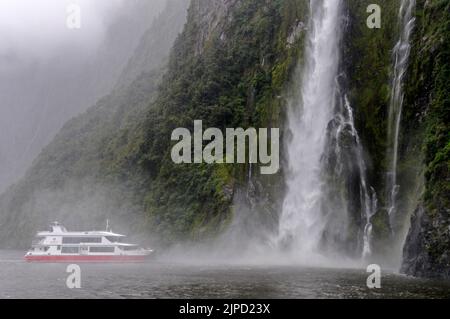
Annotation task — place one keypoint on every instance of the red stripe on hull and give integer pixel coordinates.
(88, 259)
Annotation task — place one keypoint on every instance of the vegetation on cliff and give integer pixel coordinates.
(428, 244)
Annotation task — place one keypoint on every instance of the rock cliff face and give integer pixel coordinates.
(209, 17)
(427, 121)
(153, 49)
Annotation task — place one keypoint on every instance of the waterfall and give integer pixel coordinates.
(301, 225)
(401, 54)
(345, 130)
(328, 206)
(368, 196)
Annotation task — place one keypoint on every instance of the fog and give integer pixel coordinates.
(248, 240)
(50, 73)
(37, 29)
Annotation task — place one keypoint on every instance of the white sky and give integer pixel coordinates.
(36, 28)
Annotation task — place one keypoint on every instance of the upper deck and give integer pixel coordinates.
(59, 230)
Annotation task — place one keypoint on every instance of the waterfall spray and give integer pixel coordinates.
(400, 56)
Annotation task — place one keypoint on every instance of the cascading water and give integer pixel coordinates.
(301, 223)
(328, 206)
(401, 56)
(367, 195)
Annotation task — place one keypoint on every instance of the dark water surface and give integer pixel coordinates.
(19, 279)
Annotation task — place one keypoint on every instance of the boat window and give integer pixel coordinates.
(101, 249)
(79, 240)
(69, 250)
(127, 248)
(114, 239)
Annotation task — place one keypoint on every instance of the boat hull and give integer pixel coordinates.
(86, 259)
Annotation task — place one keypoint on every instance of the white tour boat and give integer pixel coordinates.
(60, 245)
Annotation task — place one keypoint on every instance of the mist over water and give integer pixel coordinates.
(159, 279)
